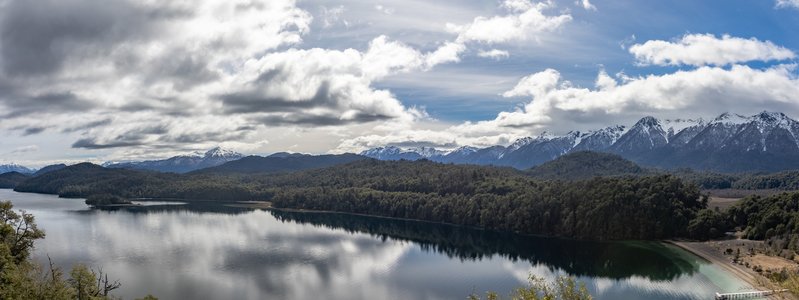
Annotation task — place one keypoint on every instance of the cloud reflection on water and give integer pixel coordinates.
(184, 252)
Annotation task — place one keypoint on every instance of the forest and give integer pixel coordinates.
(605, 208)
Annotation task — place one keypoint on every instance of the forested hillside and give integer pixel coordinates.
(11, 179)
(496, 198)
(600, 208)
(585, 165)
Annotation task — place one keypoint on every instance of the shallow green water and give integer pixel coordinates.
(215, 252)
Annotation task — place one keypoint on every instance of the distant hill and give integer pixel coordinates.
(10, 180)
(183, 163)
(73, 180)
(281, 162)
(15, 168)
(49, 169)
(584, 165)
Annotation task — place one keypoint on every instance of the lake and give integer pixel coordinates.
(191, 251)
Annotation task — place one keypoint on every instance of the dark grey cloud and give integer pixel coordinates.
(161, 137)
(293, 112)
(183, 68)
(85, 126)
(314, 120)
(255, 101)
(26, 130)
(134, 137)
(37, 37)
(19, 105)
(93, 144)
(33, 130)
(194, 138)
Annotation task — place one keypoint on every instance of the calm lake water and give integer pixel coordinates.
(217, 252)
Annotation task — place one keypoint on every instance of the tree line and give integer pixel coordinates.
(642, 207)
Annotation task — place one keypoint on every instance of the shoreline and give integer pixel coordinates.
(756, 281)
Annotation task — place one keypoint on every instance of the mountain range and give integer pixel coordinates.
(764, 142)
(281, 162)
(183, 163)
(768, 141)
(15, 168)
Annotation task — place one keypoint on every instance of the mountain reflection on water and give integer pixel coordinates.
(212, 251)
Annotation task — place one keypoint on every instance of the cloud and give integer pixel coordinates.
(52, 102)
(787, 4)
(494, 54)
(75, 29)
(25, 149)
(524, 21)
(332, 16)
(586, 4)
(87, 125)
(557, 105)
(707, 49)
(317, 87)
(33, 130)
(702, 90)
(152, 132)
(75, 56)
(448, 53)
(384, 10)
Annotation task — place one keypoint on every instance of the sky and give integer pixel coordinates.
(112, 80)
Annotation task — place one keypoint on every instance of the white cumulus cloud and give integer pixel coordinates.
(788, 3)
(586, 4)
(494, 54)
(524, 21)
(707, 49)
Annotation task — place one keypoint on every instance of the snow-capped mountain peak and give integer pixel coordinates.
(520, 143)
(690, 142)
(674, 126)
(648, 122)
(427, 152)
(220, 152)
(183, 163)
(463, 151)
(730, 119)
(13, 167)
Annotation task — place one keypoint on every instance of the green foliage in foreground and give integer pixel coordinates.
(564, 288)
(22, 279)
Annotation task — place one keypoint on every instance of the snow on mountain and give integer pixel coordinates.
(645, 135)
(220, 152)
(462, 151)
(520, 143)
(730, 142)
(541, 149)
(731, 119)
(674, 126)
(600, 140)
(428, 152)
(12, 167)
(391, 153)
(183, 163)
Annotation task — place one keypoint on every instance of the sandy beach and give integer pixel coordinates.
(752, 278)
